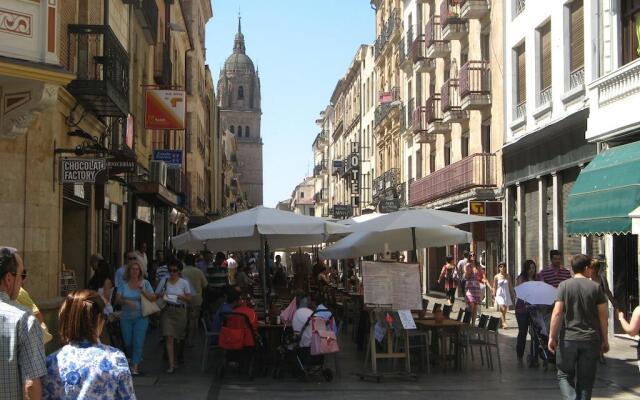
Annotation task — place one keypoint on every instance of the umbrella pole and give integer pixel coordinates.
(263, 273)
(413, 238)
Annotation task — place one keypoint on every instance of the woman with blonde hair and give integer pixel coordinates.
(84, 368)
(132, 323)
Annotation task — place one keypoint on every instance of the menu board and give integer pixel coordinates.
(394, 285)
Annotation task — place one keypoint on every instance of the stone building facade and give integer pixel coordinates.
(239, 101)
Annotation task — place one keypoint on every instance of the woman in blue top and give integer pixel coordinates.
(133, 324)
(84, 368)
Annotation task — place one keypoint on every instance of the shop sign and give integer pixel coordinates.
(173, 158)
(143, 213)
(165, 109)
(341, 211)
(117, 166)
(388, 206)
(485, 208)
(81, 170)
(354, 164)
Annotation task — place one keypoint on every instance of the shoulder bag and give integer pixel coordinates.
(151, 307)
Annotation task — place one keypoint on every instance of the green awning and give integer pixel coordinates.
(606, 191)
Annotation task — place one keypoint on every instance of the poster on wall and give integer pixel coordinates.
(165, 109)
(394, 285)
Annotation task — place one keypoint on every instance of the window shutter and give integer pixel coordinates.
(577, 35)
(545, 51)
(522, 77)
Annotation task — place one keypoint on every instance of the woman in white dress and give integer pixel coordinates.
(502, 292)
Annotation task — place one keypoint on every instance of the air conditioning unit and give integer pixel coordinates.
(159, 172)
(174, 180)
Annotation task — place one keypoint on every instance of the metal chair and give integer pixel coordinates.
(436, 307)
(477, 336)
(446, 310)
(209, 337)
(460, 315)
(492, 341)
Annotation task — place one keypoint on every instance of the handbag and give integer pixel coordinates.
(323, 341)
(148, 307)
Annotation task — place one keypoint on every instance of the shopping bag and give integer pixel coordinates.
(323, 341)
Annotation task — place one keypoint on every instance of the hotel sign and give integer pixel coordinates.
(354, 174)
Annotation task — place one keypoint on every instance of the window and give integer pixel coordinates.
(232, 129)
(432, 161)
(246, 131)
(464, 145)
(239, 131)
(447, 153)
(302, 195)
(418, 163)
(410, 168)
(485, 137)
(485, 46)
(630, 9)
(240, 93)
(312, 211)
(544, 34)
(576, 44)
(521, 77)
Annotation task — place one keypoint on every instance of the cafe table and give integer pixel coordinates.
(439, 327)
(271, 334)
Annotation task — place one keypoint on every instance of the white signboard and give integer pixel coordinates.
(392, 284)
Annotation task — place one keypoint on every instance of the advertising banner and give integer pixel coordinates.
(165, 109)
(173, 158)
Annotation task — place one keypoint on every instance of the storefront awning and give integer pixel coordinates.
(606, 191)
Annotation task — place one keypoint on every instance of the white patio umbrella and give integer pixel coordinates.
(368, 243)
(360, 218)
(413, 219)
(249, 230)
(536, 292)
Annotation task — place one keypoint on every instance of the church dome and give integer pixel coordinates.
(239, 61)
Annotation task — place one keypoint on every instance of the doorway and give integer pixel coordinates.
(625, 273)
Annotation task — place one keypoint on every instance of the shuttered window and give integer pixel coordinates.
(521, 80)
(545, 56)
(577, 35)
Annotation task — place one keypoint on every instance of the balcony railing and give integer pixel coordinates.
(321, 139)
(163, 67)
(454, 27)
(544, 96)
(434, 109)
(386, 33)
(451, 108)
(388, 101)
(475, 171)
(518, 7)
(437, 46)
(474, 8)
(320, 168)
(320, 196)
(475, 84)
(102, 70)
(576, 78)
(384, 186)
(520, 111)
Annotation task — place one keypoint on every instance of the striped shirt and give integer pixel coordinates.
(552, 276)
(21, 349)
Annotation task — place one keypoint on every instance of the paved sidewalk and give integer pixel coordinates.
(618, 379)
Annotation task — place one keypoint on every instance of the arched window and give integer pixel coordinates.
(239, 131)
(240, 93)
(247, 131)
(232, 129)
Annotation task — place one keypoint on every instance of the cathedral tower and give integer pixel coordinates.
(240, 114)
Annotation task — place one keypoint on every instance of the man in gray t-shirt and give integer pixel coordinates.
(580, 321)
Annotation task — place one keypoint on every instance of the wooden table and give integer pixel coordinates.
(446, 324)
(427, 316)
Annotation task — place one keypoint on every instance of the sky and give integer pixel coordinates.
(301, 48)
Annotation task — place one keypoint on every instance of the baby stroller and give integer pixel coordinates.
(300, 359)
(539, 318)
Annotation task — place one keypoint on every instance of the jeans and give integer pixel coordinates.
(523, 329)
(134, 331)
(577, 362)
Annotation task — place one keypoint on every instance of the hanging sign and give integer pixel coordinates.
(354, 166)
(81, 170)
(173, 158)
(165, 109)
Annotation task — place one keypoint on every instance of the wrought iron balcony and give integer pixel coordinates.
(321, 139)
(475, 9)
(433, 114)
(389, 29)
(450, 93)
(385, 185)
(437, 46)
(102, 70)
(419, 56)
(321, 196)
(147, 13)
(404, 55)
(419, 126)
(475, 85)
(388, 101)
(163, 67)
(454, 27)
(320, 168)
(475, 171)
